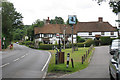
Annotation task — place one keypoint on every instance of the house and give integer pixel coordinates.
(94, 29)
(51, 33)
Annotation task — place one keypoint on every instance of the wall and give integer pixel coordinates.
(86, 34)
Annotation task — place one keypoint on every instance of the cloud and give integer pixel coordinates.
(86, 10)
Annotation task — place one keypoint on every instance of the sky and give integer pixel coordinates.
(85, 10)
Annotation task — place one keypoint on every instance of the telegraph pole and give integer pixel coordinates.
(64, 39)
(72, 38)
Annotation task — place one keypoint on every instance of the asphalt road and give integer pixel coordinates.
(24, 62)
(98, 67)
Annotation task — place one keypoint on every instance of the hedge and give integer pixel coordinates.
(50, 46)
(105, 40)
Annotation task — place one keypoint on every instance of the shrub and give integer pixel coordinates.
(47, 46)
(89, 42)
(50, 46)
(79, 39)
(105, 40)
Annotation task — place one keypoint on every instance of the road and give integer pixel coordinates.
(98, 67)
(24, 62)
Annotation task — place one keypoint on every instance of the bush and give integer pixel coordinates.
(105, 40)
(79, 39)
(47, 46)
(89, 42)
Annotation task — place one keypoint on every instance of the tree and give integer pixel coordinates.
(38, 23)
(11, 20)
(57, 20)
(114, 4)
(30, 33)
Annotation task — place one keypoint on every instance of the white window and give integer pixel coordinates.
(90, 33)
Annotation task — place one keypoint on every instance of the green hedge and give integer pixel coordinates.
(105, 40)
(50, 46)
(47, 46)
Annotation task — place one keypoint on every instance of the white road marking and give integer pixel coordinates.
(4, 65)
(16, 59)
(23, 56)
(26, 54)
(46, 62)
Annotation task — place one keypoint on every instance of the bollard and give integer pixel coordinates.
(84, 57)
(88, 51)
(56, 59)
(82, 60)
(72, 63)
(68, 56)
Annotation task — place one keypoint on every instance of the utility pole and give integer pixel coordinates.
(72, 38)
(64, 39)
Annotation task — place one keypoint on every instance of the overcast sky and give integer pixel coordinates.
(86, 10)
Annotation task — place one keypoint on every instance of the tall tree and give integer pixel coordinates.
(57, 20)
(11, 20)
(38, 23)
(114, 4)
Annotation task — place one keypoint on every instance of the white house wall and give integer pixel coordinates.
(96, 33)
(83, 33)
(86, 34)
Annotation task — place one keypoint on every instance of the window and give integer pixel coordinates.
(102, 33)
(45, 35)
(90, 33)
(112, 33)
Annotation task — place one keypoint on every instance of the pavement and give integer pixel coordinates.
(98, 67)
(24, 62)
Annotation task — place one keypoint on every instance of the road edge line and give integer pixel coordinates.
(46, 62)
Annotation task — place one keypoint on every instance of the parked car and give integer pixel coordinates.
(114, 66)
(115, 46)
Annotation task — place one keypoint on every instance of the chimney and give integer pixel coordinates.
(48, 18)
(100, 19)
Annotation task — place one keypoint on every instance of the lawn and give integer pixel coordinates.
(77, 59)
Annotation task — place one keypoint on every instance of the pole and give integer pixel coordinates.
(64, 39)
(72, 38)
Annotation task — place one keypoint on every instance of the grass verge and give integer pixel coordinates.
(77, 59)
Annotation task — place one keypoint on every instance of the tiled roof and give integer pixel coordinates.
(79, 27)
(94, 27)
(52, 29)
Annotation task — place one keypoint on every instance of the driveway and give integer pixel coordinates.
(98, 67)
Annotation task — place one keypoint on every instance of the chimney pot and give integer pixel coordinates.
(100, 19)
(48, 18)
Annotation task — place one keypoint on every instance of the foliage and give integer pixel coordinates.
(11, 20)
(47, 46)
(88, 43)
(38, 23)
(115, 6)
(79, 39)
(57, 20)
(105, 40)
(30, 32)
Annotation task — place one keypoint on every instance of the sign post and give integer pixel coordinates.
(72, 21)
